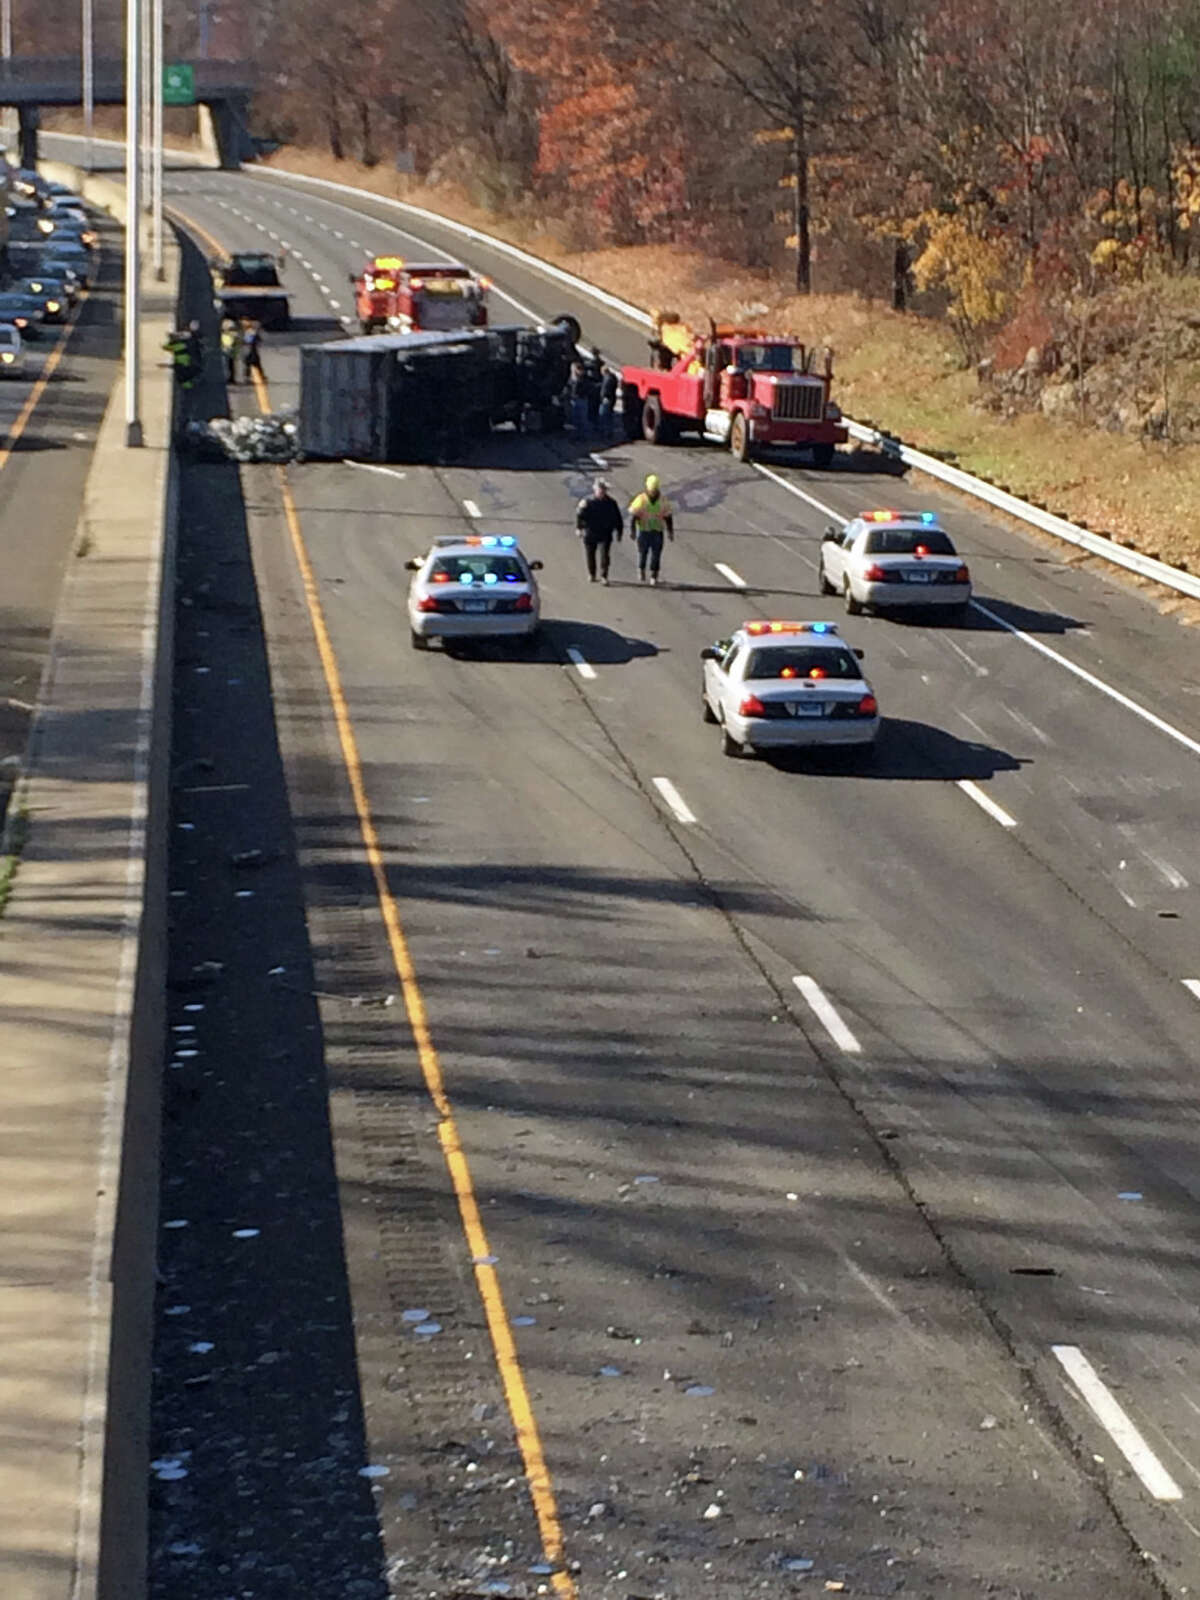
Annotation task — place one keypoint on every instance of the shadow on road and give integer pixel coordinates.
(911, 751)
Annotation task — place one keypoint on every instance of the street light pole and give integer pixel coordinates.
(6, 54)
(89, 81)
(156, 134)
(133, 222)
(146, 136)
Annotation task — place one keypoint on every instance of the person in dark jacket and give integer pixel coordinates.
(597, 519)
(608, 402)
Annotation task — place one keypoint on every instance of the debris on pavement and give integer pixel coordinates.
(247, 439)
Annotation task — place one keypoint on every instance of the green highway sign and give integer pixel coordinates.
(179, 85)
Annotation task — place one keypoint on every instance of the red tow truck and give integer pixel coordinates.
(415, 297)
(743, 387)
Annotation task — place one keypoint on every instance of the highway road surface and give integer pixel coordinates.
(753, 1176)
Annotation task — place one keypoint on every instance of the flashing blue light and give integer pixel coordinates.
(490, 577)
(820, 627)
(466, 577)
(511, 577)
(929, 516)
(508, 541)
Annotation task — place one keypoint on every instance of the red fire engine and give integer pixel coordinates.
(743, 387)
(411, 297)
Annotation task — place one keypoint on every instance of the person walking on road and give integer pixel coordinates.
(597, 519)
(181, 348)
(608, 402)
(650, 515)
(252, 349)
(231, 349)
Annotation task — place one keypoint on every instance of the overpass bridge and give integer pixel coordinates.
(31, 82)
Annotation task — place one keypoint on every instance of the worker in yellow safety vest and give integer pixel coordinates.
(650, 515)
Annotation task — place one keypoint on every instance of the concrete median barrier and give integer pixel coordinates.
(82, 976)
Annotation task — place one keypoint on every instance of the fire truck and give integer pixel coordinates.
(741, 387)
(419, 297)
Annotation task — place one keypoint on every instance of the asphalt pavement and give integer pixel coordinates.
(800, 1272)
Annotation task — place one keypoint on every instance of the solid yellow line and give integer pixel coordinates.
(541, 1489)
(192, 226)
(39, 388)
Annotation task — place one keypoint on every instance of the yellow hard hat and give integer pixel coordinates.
(651, 483)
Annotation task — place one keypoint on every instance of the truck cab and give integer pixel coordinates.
(737, 386)
(419, 297)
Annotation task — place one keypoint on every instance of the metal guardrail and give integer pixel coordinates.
(1095, 543)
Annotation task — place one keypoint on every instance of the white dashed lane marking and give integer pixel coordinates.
(582, 665)
(997, 813)
(471, 509)
(826, 1013)
(1192, 985)
(728, 573)
(678, 805)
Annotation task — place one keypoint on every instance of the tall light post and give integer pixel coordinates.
(89, 81)
(6, 54)
(156, 134)
(147, 135)
(133, 222)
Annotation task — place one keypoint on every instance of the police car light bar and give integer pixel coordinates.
(757, 628)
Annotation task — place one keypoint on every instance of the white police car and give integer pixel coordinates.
(894, 559)
(787, 685)
(477, 587)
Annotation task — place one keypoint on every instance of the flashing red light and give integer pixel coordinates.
(788, 672)
(921, 550)
(439, 577)
(752, 706)
(757, 629)
(428, 603)
(875, 573)
(880, 516)
(868, 706)
(817, 672)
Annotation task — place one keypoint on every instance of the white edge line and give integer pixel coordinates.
(985, 801)
(1116, 1422)
(735, 579)
(1192, 985)
(581, 663)
(801, 494)
(827, 1014)
(1090, 678)
(674, 799)
(471, 509)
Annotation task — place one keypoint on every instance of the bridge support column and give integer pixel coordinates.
(29, 121)
(229, 127)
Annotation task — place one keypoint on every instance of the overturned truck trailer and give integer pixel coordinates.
(421, 396)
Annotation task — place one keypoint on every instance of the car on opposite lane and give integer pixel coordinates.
(23, 311)
(894, 560)
(480, 586)
(52, 292)
(777, 685)
(62, 271)
(65, 252)
(12, 353)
